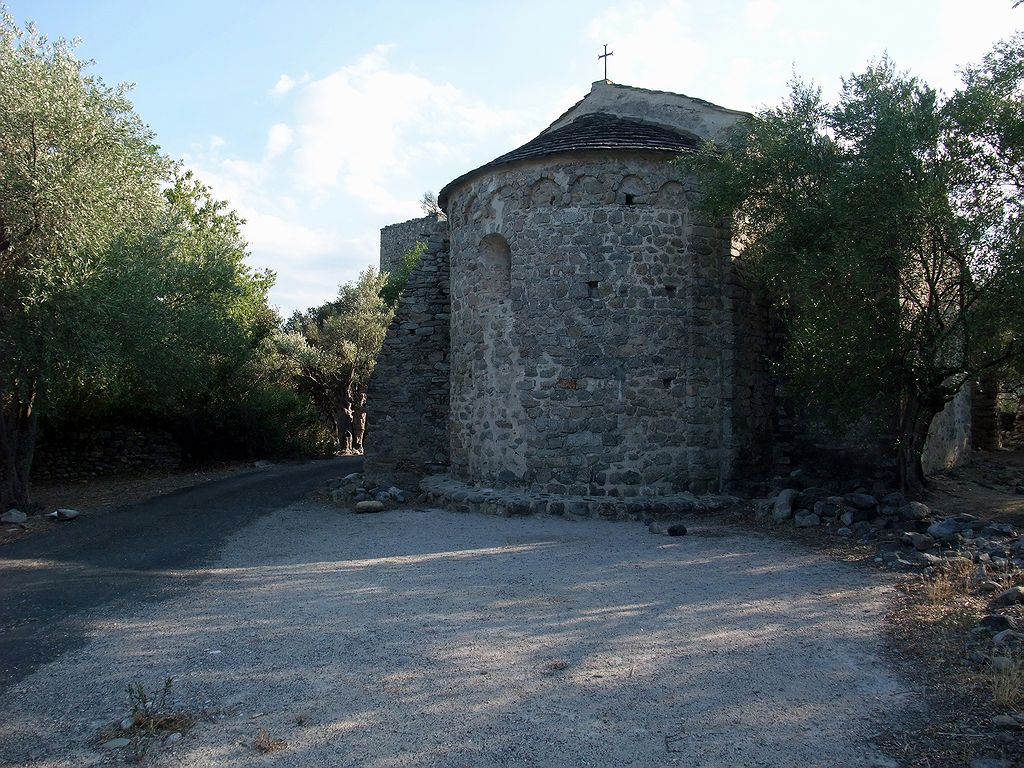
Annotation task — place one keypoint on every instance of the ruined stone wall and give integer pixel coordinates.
(949, 438)
(592, 348)
(396, 240)
(407, 399)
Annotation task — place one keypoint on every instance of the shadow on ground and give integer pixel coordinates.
(426, 638)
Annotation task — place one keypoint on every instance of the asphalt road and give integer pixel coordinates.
(50, 583)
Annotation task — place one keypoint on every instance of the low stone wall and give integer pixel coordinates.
(505, 502)
(396, 240)
(407, 400)
(104, 452)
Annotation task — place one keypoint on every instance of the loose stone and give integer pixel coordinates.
(13, 516)
(369, 506)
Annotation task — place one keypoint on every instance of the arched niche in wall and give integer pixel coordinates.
(672, 195)
(588, 190)
(495, 266)
(632, 190)
(544, 193)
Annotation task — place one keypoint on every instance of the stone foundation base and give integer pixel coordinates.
(509, 502)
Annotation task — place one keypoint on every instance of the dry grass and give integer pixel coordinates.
(1007, 673)
(266, 744)
(949, 582)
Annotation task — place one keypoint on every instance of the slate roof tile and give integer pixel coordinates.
(594, 132)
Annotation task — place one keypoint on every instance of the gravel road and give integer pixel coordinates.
(428, 638)
(50, 583)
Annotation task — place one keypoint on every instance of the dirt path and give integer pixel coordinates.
(426, 638)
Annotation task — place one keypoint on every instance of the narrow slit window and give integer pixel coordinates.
(592, 289)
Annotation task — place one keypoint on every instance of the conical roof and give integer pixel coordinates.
(593, 132)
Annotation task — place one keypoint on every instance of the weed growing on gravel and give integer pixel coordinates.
(265, 743)
(1007, 681)
(150, 716)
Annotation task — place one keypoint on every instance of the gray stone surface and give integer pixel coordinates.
(370, 505)
(807, 521)
(596, 332)
(510, 502)
(1011, 596)
(13, 516)
(396, 240)
(783, 507)
(407, 398)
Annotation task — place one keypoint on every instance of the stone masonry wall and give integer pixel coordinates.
(592, 344)
(949, 438)
(104, 452)
(396, 240)
(407, 400)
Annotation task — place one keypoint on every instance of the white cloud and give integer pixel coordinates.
(367, 127)
(350, 152)
(735, 89)
(279, 138)
(760, 15)
(654, 45)
(967, 36)
(282, 86)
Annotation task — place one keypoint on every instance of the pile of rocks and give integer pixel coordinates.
(351, 491)
(908, 534)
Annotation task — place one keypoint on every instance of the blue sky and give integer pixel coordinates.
(321, 122)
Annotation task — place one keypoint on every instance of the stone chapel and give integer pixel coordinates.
(574, 328)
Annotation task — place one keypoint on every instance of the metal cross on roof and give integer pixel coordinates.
(605, 56)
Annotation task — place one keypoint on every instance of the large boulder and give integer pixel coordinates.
(945, 529)
(1012, 596)
(783, 508)
(862, 501)
(914, 510)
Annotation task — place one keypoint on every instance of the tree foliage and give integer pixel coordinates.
(331, 351)
(123, 283)
(396, 281)
(886, 227)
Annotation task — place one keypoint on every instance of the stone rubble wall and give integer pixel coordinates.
(104, 452)
(396, 240)
(949, 438)
(407, 399)
(603, 362)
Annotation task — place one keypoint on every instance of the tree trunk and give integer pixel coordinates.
(913, 432)
(20, 424)
(359, 421)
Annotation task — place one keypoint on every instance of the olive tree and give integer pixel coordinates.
(887, 229)
(332, 351)
(78, 174)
